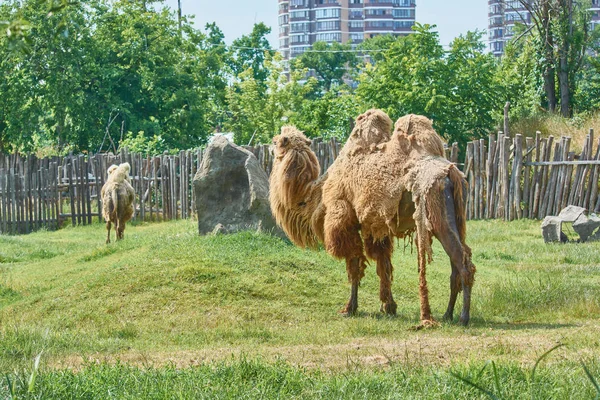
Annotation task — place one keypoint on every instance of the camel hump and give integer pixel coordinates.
(419, 129)
(371, 129)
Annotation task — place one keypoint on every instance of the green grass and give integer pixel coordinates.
(174, 310)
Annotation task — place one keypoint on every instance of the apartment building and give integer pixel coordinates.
(504, 15)
(304, 22)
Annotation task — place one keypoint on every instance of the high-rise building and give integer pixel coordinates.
(304, 22)
(504, 15)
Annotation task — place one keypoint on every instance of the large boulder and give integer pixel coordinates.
(231, 190)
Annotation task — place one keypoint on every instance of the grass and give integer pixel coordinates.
(167, 312)
(553, 124)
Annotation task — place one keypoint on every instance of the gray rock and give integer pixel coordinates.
(231, 189)
(571, 213)
(585, 226)
(552, 229)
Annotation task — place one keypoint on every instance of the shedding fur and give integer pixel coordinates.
(381, 186)
(117, 199)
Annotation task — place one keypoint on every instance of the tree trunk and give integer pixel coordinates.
(549, 70)
(179, 15)
(566, 23)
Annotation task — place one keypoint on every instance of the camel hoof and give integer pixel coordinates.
(427, 324)
(349, 310)
(464, 320)
(448, 317)
(388, 308)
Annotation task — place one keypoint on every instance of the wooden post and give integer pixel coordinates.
(528, 178)
(506, 109)
(489, 173)
(476, 180)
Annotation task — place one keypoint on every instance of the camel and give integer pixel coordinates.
(382, 186)
(117, 199)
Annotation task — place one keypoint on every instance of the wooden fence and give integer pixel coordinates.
(47, 193)
(511, 179)
(508, 179)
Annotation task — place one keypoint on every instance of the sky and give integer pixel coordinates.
(237, 17)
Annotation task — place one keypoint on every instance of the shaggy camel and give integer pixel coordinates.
(381, 186)
(117, 199)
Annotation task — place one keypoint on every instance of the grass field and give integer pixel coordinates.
(169, 314)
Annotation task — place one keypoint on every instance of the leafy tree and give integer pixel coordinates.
(458, 90)
(330, 61)
(251, 51)
(258, 114)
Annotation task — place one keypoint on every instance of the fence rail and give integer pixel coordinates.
(509, 178)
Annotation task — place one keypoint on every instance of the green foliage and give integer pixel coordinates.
(330, 61)
(458, 90)
(252, 51)
(141, 144)
(85, 62)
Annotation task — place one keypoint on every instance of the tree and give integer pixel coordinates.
(251, 51)
(458, 90)
(330, 61)
(560, 32)
(109, 70)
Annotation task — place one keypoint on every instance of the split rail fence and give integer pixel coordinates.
(508, 179)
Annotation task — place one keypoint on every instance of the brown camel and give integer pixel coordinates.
(117, 199)
(381, 186)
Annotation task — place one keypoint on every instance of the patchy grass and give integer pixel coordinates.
(173, 309)
(553, 124)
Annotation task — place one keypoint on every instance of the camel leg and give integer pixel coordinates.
(108, 225)
(455, 286)
(382, 252)
(355, 268)
(460, 258)
(121, 230)
(426, 317)
(342, 240)
(118, 228)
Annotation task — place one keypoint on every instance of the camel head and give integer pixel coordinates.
(290, 139)
(111, 169)
(292, 185)
(420, 133)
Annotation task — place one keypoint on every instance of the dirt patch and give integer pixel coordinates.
(423, 349)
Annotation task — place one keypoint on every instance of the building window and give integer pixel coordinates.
(299, 14)
(356, 1)
(298, 39)
(379, 24)
(329, 37)
(356, 37)
(328, 26)
(356, 24)
(328, 13)
(403, 13)
(284, 19)
(300, 27)
(299, 3)
(356, 14)
(403, 24)
(296, 51)
(371, 12)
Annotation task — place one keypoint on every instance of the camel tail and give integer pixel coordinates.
(459, 193)
(115, 204)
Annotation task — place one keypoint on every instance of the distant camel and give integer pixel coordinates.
(117, 199)
(381, 186)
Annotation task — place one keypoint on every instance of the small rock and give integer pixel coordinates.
(571, 213)
(585, 226)
(552, 229)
